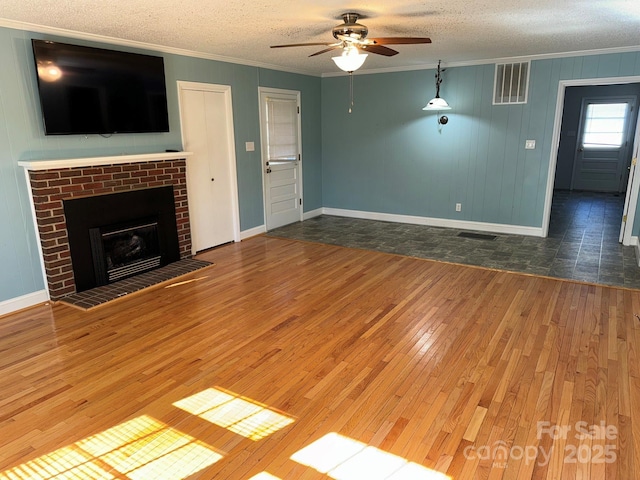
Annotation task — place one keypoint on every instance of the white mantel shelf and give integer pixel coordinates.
(96, 161)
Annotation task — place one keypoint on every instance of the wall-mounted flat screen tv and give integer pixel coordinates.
(85, 90)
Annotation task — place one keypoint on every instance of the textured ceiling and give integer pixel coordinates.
(461, 31)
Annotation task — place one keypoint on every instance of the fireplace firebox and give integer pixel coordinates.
(124, 250)
(118, 235)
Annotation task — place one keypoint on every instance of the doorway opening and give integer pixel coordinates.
(592, 193)
(595, 139)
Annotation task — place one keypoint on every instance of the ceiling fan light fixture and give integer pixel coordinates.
(350, 60)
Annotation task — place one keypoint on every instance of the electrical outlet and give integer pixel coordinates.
(458, 207)
(529, 144)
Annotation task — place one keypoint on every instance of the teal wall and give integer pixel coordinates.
(390, 156)
(22, 138)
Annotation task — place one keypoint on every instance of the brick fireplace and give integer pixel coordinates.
(52, 182)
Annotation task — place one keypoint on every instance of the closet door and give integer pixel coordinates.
(207, 132)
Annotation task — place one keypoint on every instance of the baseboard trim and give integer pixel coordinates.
(437, 222)
(252, 232)
(25, 301)
(312, 213)
(636, 244)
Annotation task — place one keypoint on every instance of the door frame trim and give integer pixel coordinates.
(279, 91)
(231, 144)
(630, 206)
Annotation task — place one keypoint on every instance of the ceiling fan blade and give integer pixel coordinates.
(332, 46)
(400, 40)
(299, 45)
(380, 50)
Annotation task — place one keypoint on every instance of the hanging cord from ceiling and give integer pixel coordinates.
(350, 91)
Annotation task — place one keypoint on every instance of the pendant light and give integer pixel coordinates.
(438, 103)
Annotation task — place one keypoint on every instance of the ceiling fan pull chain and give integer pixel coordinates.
(350, 91)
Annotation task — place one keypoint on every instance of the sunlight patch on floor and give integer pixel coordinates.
(237, 414)
(264, 476)
(343, 458)
(139, 449)
(67, 463)
(185, 282)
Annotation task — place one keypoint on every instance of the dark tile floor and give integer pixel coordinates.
(582, 242)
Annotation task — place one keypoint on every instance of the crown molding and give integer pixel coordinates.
(36, 28)
(63, 32)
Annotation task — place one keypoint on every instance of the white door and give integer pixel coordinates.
(281, 156)
(207, 131)
(603, 154)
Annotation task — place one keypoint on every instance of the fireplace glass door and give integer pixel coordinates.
(122, 251)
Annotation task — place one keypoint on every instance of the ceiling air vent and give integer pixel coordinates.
(511, 83)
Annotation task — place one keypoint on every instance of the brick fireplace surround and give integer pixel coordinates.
(53, 181)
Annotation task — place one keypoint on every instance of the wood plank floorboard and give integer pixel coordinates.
(470, 372)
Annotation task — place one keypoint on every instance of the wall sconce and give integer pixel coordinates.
(437, 103)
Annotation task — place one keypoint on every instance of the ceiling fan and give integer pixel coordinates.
(352, 38)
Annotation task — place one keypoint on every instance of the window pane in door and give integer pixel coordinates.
(604, 125)
(282, 142)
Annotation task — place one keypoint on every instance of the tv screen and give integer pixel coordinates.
(85, 90)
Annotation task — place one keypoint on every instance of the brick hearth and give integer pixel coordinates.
(50, 187)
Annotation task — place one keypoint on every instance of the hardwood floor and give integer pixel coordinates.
(471, 372)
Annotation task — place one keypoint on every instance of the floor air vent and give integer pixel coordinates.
(477, 236)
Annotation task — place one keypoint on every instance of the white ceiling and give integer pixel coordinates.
(462, 31)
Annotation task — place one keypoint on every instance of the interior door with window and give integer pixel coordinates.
(281, 156)
(603, 154)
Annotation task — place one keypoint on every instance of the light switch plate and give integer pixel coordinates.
(249, 146)
(529, 144)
